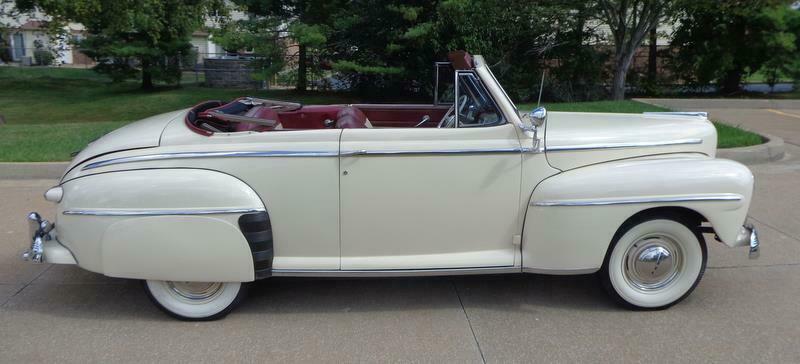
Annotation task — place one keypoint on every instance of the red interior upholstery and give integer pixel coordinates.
(403, 115)
(351, 117)
(309, 117)
(260, 112)
(313, 116)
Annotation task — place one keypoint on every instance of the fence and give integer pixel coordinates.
(237, 70)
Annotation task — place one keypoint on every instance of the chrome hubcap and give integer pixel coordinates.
(195, 292)
(652, 262)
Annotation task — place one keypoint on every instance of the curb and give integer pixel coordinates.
(772, 150)
(33, 170)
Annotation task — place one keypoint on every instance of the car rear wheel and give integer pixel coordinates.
(195, 301)
(654, 263)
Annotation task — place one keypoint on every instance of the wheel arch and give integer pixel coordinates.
(689, 216)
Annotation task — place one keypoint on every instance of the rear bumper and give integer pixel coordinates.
(44, 244)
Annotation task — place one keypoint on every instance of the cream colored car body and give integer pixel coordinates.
(154, 200)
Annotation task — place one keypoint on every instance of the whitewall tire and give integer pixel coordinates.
(195, 301)
(654, 262)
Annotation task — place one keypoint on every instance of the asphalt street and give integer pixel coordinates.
(742, 311)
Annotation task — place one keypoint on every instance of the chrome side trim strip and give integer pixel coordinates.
(640, 200)
(561, 148)
(701, 114)
(160, 212)
(186, 155)
(284, 153)
(392, 272)
(560, 272)
(432, 152)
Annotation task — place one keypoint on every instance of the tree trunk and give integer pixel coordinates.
(621, 66)
(618, 84)
(652, 57)
(147, 76)
(301, 68)
(731, 81)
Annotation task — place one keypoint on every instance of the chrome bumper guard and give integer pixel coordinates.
(748, 236)
(40, 232)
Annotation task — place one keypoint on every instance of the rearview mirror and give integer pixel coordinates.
(538, 116)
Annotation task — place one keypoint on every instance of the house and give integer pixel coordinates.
(23, 33)
(23, 40)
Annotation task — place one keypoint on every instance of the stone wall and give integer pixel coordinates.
(228, 73)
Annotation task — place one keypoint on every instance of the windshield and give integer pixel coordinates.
(504, 91)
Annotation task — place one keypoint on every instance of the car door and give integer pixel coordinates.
(430, 198)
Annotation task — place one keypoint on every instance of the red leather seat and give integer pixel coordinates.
(350, 118)
(260, 112)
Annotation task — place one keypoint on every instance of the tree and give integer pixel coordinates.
(130, 38)
(275, 26)
(629, 21)
(723, 41)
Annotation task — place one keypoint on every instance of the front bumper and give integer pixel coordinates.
(748, 236)
(44, 245)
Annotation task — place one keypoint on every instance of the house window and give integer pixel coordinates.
(18, 50)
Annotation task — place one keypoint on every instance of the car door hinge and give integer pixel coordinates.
(516, 240)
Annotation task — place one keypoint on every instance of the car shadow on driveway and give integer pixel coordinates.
(516, 292)
(109, 298)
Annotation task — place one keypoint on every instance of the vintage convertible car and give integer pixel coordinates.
(198, 202)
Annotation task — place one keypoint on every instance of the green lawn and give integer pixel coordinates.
(626, 106)
(51, 113)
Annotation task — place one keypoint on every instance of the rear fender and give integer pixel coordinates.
(573, 216)
(162, 224)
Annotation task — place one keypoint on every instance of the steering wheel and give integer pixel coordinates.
(449, 119)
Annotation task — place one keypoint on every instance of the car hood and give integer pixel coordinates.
(577, 139)
(145, 133)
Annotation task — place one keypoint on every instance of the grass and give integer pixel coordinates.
(47, 142)
(626, 106)
(53, 112)
(732, 137)
(33, 95)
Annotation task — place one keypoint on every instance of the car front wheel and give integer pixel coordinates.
(195, 301)
(654, 262)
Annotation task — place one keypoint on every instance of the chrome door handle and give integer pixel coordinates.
(354, 153)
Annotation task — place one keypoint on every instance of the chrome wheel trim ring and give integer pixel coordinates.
(195, 292)
(652, 262)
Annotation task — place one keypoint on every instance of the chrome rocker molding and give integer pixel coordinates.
(392, 272)
(432, 152)
(641, 200)
(189, 155)
(560, 272)
(284, 153)
(563, 148)
(160, 212)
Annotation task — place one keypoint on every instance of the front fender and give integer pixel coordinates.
(573, 216)
(164, 224)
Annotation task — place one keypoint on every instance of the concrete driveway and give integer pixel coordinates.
(776, 117)
(743, 310)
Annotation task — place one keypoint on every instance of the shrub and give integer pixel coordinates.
(5, 54)
(43, 57)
